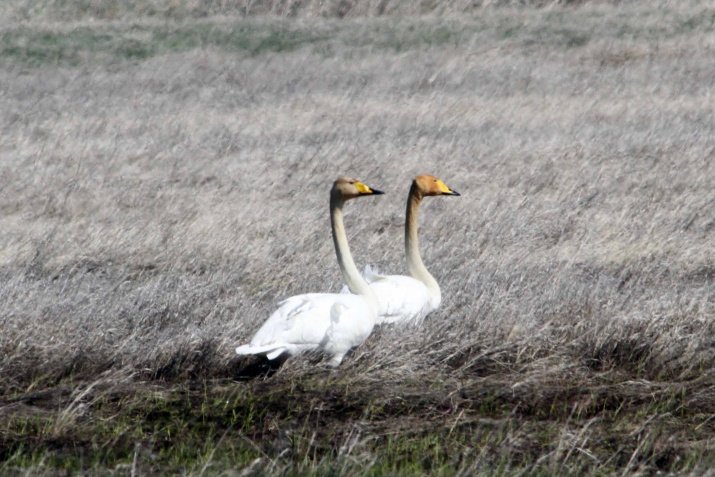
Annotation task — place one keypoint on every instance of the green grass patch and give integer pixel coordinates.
(35, 47)
(321, 425)
(39, 45)
(42, 46)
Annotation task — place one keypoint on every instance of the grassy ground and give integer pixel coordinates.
(164, 183)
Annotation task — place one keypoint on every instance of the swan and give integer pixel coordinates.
(403, 299)
(330, 321)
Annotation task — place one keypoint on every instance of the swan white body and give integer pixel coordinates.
(332, 322)
(335, 323)
(403, 299)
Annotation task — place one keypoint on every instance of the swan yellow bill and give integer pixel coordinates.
(364, 189)
(446, 190)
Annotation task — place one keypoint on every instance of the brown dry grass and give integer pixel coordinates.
(158, 198)
(64, 10)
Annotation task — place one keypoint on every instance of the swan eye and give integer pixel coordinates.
(352, 182)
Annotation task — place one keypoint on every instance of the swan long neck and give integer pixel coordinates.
(412, 247)
(356, 283)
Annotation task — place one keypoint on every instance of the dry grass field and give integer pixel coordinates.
(164, 184)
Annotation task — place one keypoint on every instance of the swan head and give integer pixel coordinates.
(429, 185)
(348, 188)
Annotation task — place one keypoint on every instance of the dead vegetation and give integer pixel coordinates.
(64, 10)
(164, 184)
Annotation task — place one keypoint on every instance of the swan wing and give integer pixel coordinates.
(302, 323)
(351, 322)
(370, 274)
(401, 299)
(299, 320)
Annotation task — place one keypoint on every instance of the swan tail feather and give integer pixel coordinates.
(274, 354)
(272, 351)
(372, 274)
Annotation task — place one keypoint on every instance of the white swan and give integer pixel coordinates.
(330, 321)
(403, 299)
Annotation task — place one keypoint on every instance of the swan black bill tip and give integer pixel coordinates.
(377, 192)
(454, 192)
